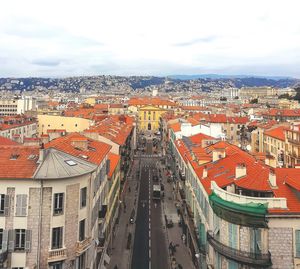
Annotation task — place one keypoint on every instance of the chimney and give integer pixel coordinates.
(42, 153)
(218, 153)
(80, 143)
(240, 170)
(204, 175)
(272, 178)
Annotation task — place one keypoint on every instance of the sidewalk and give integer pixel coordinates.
(182, 254)
(121, 256)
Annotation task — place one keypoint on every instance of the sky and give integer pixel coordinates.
(60, 38)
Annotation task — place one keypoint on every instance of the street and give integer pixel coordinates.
(150, 247)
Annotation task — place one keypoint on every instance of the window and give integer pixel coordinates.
(75, 124)
(81, 262)
(57, 237)
(56, 265)
(21, 205)
(20, 239)
(83, 197)
(232, 265)
(297, 241)
(71, 162)
(232, 235)
(58, 206)
(82, 230)
(2, 201)
(255, 239)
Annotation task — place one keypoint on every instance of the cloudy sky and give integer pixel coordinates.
(149, 37)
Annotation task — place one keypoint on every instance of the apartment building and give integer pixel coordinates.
(55, 203)
(120, 133)
(238, 212)
(292, 147)
(18, 127)
(274, 144)
(17, 106)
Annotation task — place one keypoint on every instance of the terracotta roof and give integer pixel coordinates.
(198, 138)
(114, 128)
(256, 178)
(7, 141)
(18, 161)
(114, 160)
(56, 130)
(176, 127)
(95, 151)
(282, 112)
(277, 133)
(141, 101)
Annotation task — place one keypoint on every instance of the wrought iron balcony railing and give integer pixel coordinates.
(253, 259)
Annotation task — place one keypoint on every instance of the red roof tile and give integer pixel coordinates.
(277, 133)
(18, 161)
(114, 160)
(95, 151)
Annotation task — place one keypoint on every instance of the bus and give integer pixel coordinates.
(156, 192)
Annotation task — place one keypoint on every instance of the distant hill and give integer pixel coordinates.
(242, 80)
(219, 76)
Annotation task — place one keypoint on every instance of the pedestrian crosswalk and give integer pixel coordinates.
(150, 155)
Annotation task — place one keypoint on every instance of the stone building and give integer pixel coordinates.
(54, 203)
(238, 212)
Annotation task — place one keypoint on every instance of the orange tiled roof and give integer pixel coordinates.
(277, 133)
(7, 141)
(142, 101)
(18, 161)
(114, 160)
(96, 151)
(114, 128)
(176, 127)
(282, 112)
(256, 178)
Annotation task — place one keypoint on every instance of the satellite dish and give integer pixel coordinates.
(248, 147)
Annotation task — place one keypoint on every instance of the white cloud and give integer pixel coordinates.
(49, 38)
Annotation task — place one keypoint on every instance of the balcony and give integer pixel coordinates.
(241, 199)
(293, 141)
(249, 258)
(56, 255)
(82, 246)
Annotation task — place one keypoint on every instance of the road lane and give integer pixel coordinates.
(140, 257)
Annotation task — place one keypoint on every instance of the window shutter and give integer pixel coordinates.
(232, 235)
(252, 240)
(4, 240)
(19, 205)
(297, 241)
(28, 240)
(11, 240)
(258, 241)
(61, 236)
(6, 205)
(24, 205)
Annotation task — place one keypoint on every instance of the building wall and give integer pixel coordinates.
(28, 130)
(150, 115)
(69, 220)
(70, 124)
